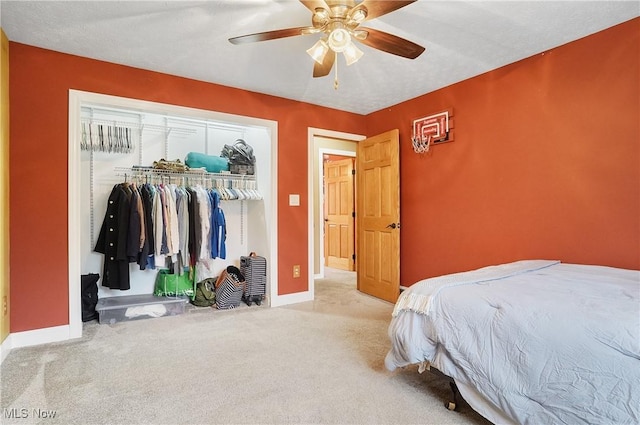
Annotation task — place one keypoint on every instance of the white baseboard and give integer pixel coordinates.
(298, 297)
(5, 348)
(40, 336)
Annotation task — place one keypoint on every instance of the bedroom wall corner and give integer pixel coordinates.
(5, 302)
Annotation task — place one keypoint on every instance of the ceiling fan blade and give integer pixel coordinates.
(377, 8)
(312, 5)
(272, 35)
(320, 70)
(390, 43)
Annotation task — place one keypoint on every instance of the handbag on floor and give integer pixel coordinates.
(229, 288)
(173, 285)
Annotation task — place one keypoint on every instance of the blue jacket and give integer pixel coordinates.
(218, 227)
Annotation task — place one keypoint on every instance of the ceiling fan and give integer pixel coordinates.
(339, 22)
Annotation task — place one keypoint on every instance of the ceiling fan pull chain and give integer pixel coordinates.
(335, 81)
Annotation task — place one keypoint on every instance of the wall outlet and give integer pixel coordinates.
(296, 270)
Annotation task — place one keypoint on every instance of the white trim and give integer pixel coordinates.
(76, 99)
(295, 298)
(74, 213)
(5, 348)
(40, 336)
(272, 265)
(312, 133)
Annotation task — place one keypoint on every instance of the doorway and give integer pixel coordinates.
(383, 144)
(339, 214)
(322, 142)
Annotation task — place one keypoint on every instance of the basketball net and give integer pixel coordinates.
(421, 144)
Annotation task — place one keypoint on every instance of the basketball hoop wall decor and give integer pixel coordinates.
(431, 130)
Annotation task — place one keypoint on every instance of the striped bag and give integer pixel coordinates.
(229, 292)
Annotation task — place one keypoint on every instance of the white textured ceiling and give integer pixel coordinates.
(190, 39)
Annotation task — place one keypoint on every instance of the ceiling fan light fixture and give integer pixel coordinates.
(320, 17)
(322, 13)
(359, 15)
(352, 54)
(339, 40)
(318, 51)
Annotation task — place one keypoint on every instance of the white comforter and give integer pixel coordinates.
(530, 342)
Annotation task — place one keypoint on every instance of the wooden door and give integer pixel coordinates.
(378, 216)
(339, 232)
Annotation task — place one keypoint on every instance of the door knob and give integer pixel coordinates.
(392, 225)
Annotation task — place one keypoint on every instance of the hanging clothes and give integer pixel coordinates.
(159, 233)
(194, 226)
(134, 233)
(161, 225)
(182, 207)
(204, 205)
(218, 227)
(145, 257)
(173, 228)
(112, 240)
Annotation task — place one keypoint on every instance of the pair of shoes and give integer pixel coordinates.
(176, 165)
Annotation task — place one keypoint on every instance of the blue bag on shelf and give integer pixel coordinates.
(211, 163)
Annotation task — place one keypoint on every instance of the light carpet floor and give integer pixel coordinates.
(319, 362)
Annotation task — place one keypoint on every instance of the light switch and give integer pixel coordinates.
(294, 200)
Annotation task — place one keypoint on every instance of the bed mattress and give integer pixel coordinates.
(529, 342)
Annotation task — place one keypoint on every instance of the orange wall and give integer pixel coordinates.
(40, 80)
(5, 306)
(545, 162)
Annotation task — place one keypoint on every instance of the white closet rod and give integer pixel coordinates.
(140, 125)
(218, 125)
(132, 125)
(112, 111)
(146, 171)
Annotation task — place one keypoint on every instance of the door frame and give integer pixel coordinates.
(314, 213)
(320, 190)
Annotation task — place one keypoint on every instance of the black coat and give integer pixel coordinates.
(112, 241)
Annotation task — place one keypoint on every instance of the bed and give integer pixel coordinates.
(529, 342)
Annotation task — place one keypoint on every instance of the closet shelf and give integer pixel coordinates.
(196, 174)
(232, 187)
(132, 120)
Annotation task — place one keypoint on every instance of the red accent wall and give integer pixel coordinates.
(40, 81)
(545, 162)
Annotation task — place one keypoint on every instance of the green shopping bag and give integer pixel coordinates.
(173, 285)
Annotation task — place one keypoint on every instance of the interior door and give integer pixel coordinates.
(339, 232)
(378, 216)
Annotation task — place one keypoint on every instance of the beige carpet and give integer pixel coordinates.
(318, 362)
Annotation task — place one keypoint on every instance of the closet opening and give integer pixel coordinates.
(139, 134)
